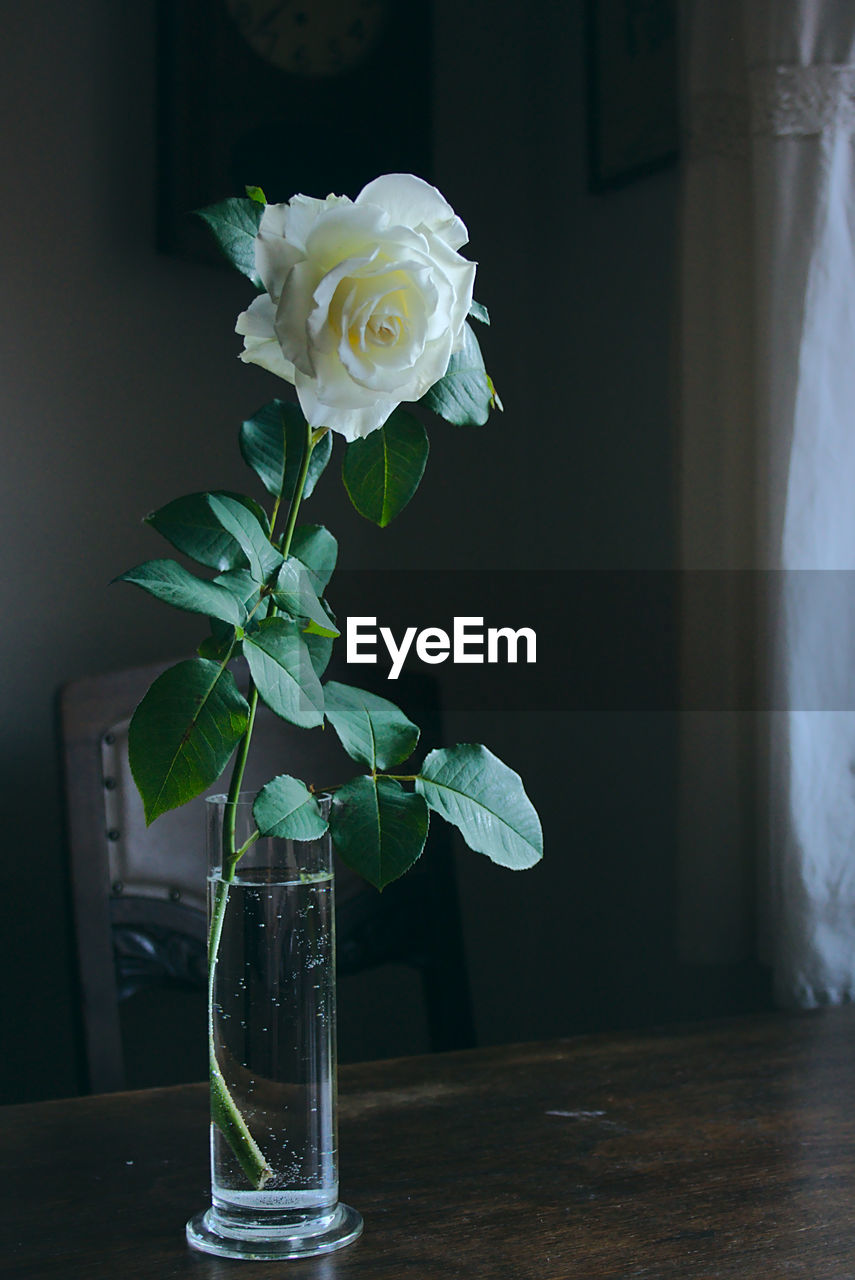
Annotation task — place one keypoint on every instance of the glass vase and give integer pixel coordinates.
(272, 1049)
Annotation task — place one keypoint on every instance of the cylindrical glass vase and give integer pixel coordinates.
(272, 1049)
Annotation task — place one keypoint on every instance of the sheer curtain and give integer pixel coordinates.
(767, 482)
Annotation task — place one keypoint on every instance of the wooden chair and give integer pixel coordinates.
(139, 893)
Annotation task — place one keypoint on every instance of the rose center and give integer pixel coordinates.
(384, 330)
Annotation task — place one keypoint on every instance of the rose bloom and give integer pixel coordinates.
(365, 300)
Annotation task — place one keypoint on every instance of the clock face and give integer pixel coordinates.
(310, 37)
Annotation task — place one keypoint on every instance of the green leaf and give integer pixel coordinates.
(479, 312)
(234, 223)
(316, 548)
(272, 442)
(281, 667)
(313, 628)
(372, 729)
(320, 651)
(191, 526)
(463, 395)
(382, 471)
(287, 809)
(276, 432)
(256, 194)
(378, 828)
(485, 800)
(242, 586)
(183, 732)
(170, 582)
(293, 592)
(221, 643)
(249, 533)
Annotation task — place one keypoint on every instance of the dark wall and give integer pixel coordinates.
(120, 389)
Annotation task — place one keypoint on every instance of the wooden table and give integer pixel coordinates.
(716, 1151)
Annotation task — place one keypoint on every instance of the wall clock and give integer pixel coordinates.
(315, 96)
(311, 37)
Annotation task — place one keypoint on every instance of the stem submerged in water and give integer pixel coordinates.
(224, 1110)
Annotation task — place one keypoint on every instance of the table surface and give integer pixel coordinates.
(713, 1150)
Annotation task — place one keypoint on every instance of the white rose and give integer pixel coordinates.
(365, 300)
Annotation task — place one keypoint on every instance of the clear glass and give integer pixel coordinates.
(272, 1020)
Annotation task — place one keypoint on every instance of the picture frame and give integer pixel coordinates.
(632, 90)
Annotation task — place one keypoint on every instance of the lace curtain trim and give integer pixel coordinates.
(780, 102)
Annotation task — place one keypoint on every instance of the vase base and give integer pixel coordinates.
(344, 1226)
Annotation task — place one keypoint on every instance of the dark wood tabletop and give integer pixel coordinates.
(708, 1151)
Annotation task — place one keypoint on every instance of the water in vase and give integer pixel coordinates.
(274, 1031)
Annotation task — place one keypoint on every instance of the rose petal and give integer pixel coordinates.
(352, 423)
(322, 327)
(335, 387)
(399, 301)
(302, 214)
(292, 313)
(344, 232)
(274, 256)
(431, 366)
(282, 234)
(258, 318)
(261, 345)
(412, 202)
(460, 274)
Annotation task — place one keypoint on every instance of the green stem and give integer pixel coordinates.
(247, 844)
(312, 439)
(325, 791)
(274, 513)
(225, 1112)
(230, 856)
(229, 853)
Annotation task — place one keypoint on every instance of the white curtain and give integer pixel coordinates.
(767, 483)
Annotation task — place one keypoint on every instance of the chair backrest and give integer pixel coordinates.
(139, 892)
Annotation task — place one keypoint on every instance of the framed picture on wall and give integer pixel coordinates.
(633, 126)
(311, 96)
